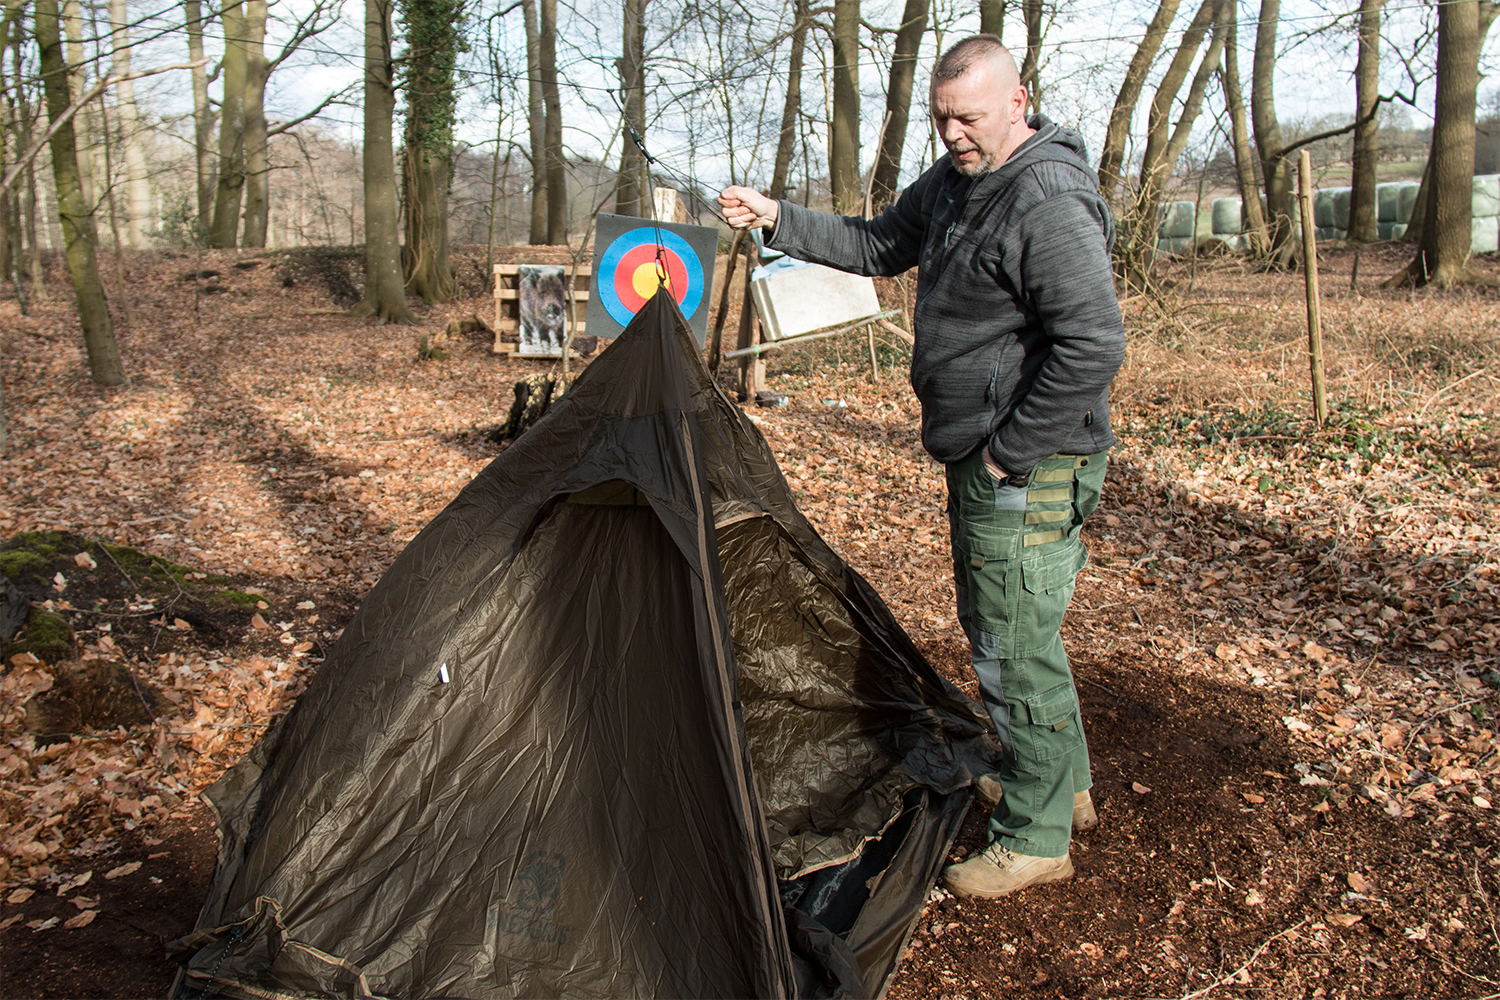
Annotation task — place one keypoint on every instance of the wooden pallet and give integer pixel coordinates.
(508, 296)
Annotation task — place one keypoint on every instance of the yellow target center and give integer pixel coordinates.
(644, 280)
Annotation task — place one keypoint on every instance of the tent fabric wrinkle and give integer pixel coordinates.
(617, 723)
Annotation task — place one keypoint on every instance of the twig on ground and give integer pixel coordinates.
(1233, 976)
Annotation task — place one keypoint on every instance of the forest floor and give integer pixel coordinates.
(1287, 641)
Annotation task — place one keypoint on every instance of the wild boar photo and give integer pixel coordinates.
(544, 311)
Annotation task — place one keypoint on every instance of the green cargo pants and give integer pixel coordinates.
(1016, 551)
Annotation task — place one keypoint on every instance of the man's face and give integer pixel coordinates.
(976, 117)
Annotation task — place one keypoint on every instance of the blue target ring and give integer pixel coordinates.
(680, 259)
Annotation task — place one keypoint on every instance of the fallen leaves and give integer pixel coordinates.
(125, 869)
(1139, 788)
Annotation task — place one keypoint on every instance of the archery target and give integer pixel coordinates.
(637, 257)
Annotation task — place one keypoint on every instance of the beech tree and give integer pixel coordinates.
(1252, 219)
(557, 172)
(1442, 257)
(203, 118)
(74, 212)
(786, 138)
(434, 35)
(843, 128)
(385, 290)
(536, 123)
(1362, 209)
(1112, 155)
(633, 189)
(898, 102)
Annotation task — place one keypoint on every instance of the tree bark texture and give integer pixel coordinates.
(385, 290)
(74, 212)
(1252, 219)
(85, 119)
(203, 120)
(557, 167)
(1276, 172)
(843, 144)
(1112, 157)
(1443, 255)
(786, 140)
(1362, 210)
(898, 102)
(1031, 66)
(633, 191)
(434, 38)
(231, 182)
(257, 151)
(992, 17)
(536, 125)
(1192, 106)
(1156, 163)
(137, 179)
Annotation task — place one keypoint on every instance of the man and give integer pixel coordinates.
(1018, 335)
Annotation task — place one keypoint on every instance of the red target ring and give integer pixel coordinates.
(637, 276)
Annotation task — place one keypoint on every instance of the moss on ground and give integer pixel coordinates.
(46, 635)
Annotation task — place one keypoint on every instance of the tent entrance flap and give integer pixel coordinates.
(653, 736)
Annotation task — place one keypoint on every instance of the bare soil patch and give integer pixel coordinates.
(1286, 641)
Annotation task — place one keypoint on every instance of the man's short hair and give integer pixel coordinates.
(962, 56)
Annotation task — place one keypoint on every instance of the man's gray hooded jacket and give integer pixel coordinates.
(1017, 327)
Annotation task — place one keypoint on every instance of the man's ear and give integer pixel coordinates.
(1018, 105)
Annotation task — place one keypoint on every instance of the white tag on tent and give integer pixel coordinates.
(443, 673)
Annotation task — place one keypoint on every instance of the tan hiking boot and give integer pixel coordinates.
(996, 872)
(988, 787)
(1084, 816)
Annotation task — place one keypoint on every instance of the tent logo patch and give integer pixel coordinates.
(539, 883)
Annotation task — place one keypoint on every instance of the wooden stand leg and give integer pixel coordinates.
(874, 364)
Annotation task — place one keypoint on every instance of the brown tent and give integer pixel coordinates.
(616, 723)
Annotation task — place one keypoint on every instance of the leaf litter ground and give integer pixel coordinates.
(1285, 642)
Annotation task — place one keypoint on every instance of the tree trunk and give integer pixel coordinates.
(1113, 155)
(898, 102)
(1276, 172)
(1193, 105)
(843, 126)
(73, 212)
(137, 182)
(786, 140)
(203, 121)
(231, 185)
(1156, 165)
(1252, 219)
(536, 125)
(77, 83)
(1443, 257)
(434, 37)
(992, 17)
(385, 291)
(1031, 66)
(257, 153)
(1363, 222)
(557, 169)
(633, 191)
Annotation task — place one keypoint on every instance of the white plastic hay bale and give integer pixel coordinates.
(1386, 230)
(1226, 216)
(1178, 219)
(1398, 230)
(1323, 208)
(1341, 199)
(1177, 245)
(1486, 195)
(1388, 203)
(1485, 234)
(1406, 201)
(1322, 233)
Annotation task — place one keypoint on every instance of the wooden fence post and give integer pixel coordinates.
(1310, 274)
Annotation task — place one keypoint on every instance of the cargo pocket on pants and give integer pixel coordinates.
(1047, 577)
(1053, 729)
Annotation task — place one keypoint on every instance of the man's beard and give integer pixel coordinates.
(983, 165)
